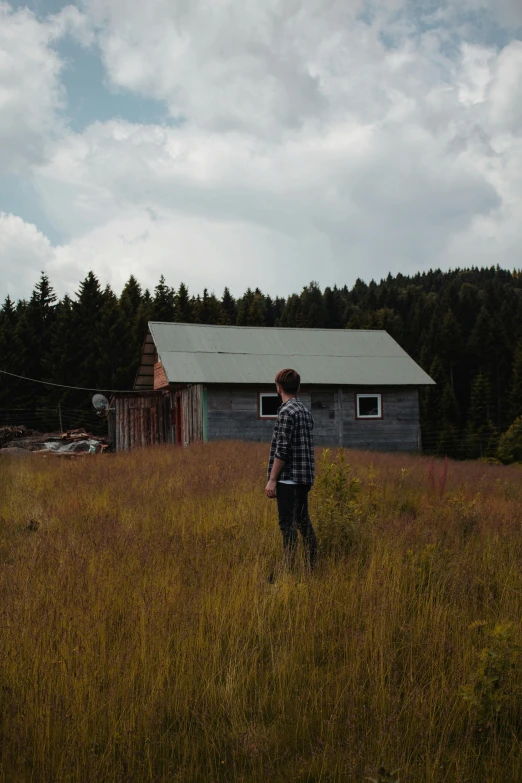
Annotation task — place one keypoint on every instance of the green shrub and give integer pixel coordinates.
(336, 506)
(493, 685)
(510, 444)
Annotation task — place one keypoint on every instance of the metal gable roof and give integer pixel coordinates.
(197, 353)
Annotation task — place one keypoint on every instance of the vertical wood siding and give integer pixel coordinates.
(140, 419)
(192, 412)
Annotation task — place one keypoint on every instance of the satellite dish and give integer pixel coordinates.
(101, 404)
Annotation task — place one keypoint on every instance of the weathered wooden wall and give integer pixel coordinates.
(141, 419)
(398, 430)
(323, 405)
(233, 414)
(192, 413)
(147, 418)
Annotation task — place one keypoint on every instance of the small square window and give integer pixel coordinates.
(268, 405)
(369, 406)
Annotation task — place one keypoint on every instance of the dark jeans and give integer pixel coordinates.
(292, 507)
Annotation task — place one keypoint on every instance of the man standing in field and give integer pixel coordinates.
(291, 467)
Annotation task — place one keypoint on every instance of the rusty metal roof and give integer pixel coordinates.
(197, 353)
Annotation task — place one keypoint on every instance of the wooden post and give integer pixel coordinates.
(60, 416)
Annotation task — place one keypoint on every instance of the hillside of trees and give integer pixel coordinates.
(464, 327)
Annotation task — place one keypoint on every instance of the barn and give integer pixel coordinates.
(198, 382)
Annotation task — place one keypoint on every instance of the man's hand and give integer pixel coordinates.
(270, 488)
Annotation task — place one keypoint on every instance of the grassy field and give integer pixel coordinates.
(141, 641)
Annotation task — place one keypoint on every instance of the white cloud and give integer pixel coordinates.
(70, 21)
(223, 65)
(24, 252)
(216, 210)
(322, 139)
(475, 73)
(199, 251)
(31, 94)
(266, 67)
(505, 90)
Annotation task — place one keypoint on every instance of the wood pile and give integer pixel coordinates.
(73, 442)
(9, 433)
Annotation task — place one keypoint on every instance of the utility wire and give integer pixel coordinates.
(42, 412)
(62, 385)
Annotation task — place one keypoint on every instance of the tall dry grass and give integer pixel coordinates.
(141, 640)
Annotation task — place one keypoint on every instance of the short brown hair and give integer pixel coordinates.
(288, 380)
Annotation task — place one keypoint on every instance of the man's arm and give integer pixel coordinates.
(282, 452)
(277, 467)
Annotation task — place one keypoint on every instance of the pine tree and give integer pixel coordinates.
(450, 344)
(515, 397)
(313, 312)
(33, 334)
(468, 307)
(207, 309)
(243, 307)
(293, 315)
(430, 402)
(116, 363)
(482, 346)
(85, 327)
(449, 440)
(164, 302)
(418, 316)
(279, 308)
(64, 357)
(333, 308)
(270, 311)
(372, 298)
(135, 311)
(389, 321)
(481, 433)
(131, 297)
(431, 343)
(183, 305)
(9, 355)
(256, 311)
(354, 318)
(228, 308)
(359, 291)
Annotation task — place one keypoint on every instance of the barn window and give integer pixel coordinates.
(268, 405)
(369, 406)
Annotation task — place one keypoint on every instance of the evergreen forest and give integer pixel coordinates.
(464, 327)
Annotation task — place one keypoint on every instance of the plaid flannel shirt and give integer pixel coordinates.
(293, 443)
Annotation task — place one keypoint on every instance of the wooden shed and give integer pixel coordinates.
(203, 383)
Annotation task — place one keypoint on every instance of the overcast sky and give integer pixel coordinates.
(257, 142)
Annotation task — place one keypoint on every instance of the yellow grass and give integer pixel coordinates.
(141, 640)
